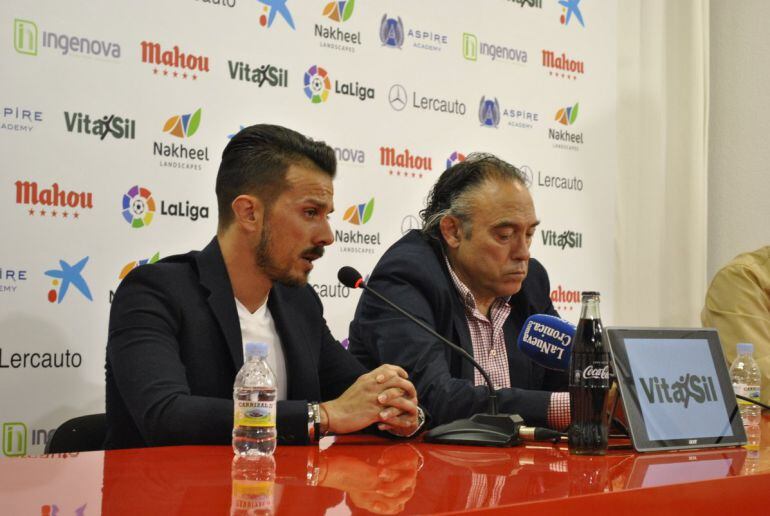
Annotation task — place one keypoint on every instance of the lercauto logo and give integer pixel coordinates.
(317, 84)
(183, 126)
(339, 11)
(25, 37)
(138, 207)
(569, 9)
(359, 213)
(489, 112)
(176, 63)
(56, 199)
(65, 276)
(391, 32)
(272, 8)
(454, 159)
(567, 115)
(14, 439)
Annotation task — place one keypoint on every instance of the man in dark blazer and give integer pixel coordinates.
(178, 327)
(469, 275)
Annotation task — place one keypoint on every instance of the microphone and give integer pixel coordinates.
(547, 340)
(491, 429)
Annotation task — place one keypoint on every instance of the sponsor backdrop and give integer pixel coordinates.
(114, 116)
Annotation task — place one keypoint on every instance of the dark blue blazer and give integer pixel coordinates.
(412, 273)
(175, 347)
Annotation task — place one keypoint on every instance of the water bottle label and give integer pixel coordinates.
(255, 413)
(253, 495)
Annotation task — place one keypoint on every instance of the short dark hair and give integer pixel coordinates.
(256, 160)
(449, 196)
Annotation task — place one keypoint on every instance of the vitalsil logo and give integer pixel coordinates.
(562, 66)
(404, 164)
(179, 155)
(66, 276)
(19, 119)
(454, 159)
(554, 182)
(335, 37)
(392, 34)
(565, 300)
(317, 83)
(326, 290)
(569, 9)
(571, 239)
(25, 41)
(424, 102)
(52, 202)
(131, 266)
(271, 9)
(139, 208)
(350, 155)
(563, 138)
(259, 75)
(472, 49)
(114, 126)
(689, 387)
(173, 62)
(10, 278)
(359, 213)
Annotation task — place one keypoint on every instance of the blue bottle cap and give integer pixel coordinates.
(258, 349)
(745, 347)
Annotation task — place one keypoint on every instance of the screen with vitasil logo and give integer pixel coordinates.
(678, 388)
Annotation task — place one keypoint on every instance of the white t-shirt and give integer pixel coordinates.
(260, 327)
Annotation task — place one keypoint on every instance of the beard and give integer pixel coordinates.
(275, 271)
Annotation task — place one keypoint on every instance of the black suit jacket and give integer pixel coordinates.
(175, 347)
(412, 273)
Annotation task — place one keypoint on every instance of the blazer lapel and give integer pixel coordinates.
(463, 336)
(213, 276)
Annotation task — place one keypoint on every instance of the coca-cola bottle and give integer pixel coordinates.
(589, 382)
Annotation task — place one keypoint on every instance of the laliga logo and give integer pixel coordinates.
(596, 373)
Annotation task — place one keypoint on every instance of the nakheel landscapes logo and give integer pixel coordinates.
(176, 154)
(131, 266)
(564, 138)
(335, 37)
(354, 241)
(27, 40)
(359, 213)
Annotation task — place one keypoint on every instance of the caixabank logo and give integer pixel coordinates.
(28, 40)
(566, 139)
(393, 35)
(11, 278)
(317, 86)
(174, 153)
(20, 119)
(52, 202)
(399, 98)
(103, 127)
(133, 264)
(272, 10)
(474, 50)
(138, 208)
(355, 241)
(405, 163)
(550, 181)
(565, 300)
(562, 66)
(334, 36)
(570, 12)
(66, 276)
(173, 62)
(518, 117)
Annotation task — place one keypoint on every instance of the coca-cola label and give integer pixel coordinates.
(591, 370)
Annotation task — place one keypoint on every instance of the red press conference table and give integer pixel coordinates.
(360, 474)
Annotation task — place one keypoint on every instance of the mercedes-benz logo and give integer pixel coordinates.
(397, 97)
(409, 223)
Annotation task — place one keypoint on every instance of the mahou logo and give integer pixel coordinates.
(562, 66)
(404, 164)
(173, 62)
(54, 202)
(565, 300)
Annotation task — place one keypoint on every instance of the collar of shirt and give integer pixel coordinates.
(469, 301)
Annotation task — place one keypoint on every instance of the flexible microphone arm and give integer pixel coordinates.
(492, 394)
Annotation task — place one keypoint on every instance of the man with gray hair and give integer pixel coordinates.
(468, 274)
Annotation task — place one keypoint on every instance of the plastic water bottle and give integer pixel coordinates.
(254, 403)
(746, 380)
(253, 486)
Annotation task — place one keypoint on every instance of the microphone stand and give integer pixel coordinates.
(484, 429)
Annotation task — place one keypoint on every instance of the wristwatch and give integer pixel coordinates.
(314, 421)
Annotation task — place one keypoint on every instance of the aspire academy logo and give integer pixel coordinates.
(172, 62)
(393, 35)
(490, 114)
(65, 276)
(53, 201)
(20, 119)
(10, 279)
(359, 213)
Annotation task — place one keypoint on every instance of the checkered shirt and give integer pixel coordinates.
(489, 349)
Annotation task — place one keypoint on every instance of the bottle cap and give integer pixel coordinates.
(745, 347)
(589, 293)
(256, 349)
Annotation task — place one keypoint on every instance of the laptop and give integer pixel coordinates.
(676, 388)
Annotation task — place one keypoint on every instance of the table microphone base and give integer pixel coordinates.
(500, 430)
